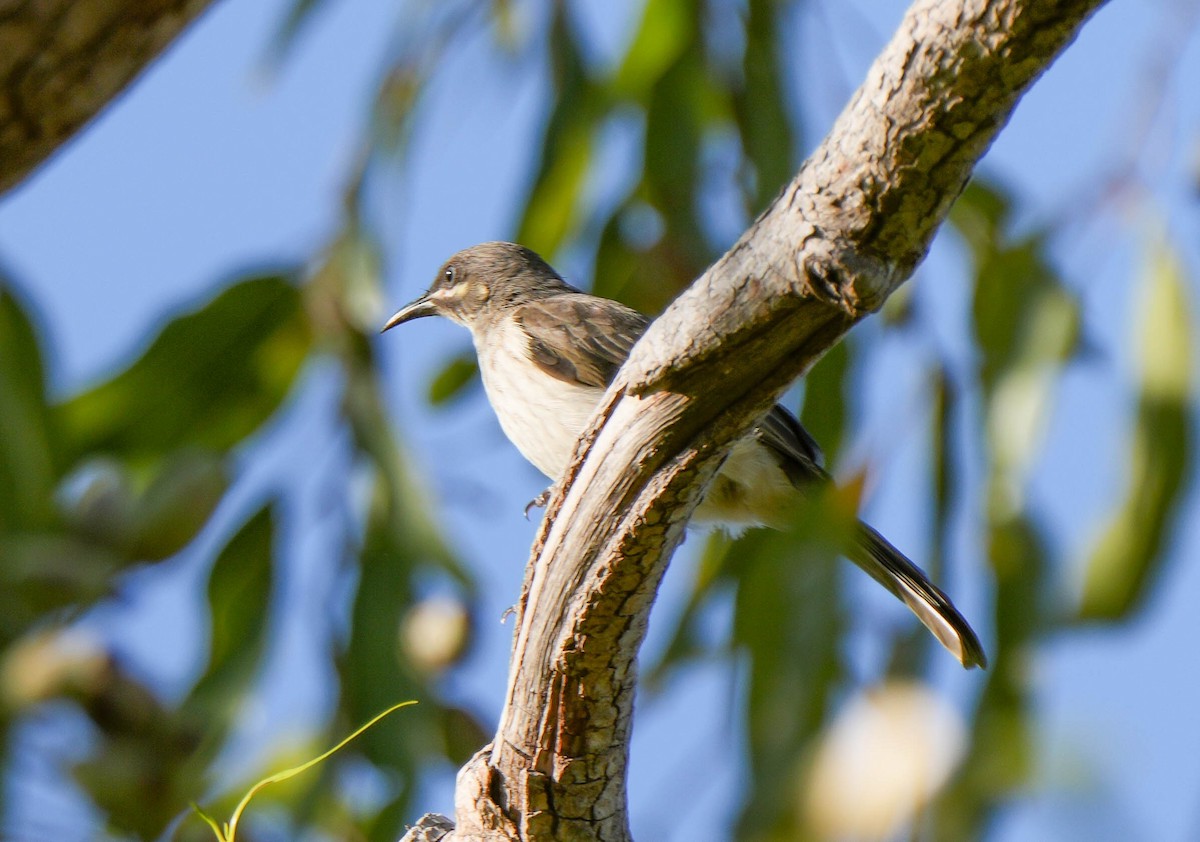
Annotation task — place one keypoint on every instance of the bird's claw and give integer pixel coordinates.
(538, 502)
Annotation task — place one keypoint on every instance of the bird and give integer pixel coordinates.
(547, 352)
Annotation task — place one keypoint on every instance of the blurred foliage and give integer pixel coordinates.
(137, 470)
(1123, 564)
(132, 471)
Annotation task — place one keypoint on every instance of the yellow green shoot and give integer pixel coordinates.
(228, 831)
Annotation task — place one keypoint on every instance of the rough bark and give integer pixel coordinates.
(61, 61)
(839, 239)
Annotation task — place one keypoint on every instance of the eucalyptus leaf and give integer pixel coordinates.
(555, 198)
(760, 106)
(27, 451)
(454, 378)
(208, 380)
(1129, 554)
(666, 28)
(789, 622)
(239, 597)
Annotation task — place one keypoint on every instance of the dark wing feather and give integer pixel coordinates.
(799, 454)
(580, 338)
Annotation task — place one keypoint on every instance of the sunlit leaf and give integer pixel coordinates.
(664, 31)
(208, 380)
(1021, 391)
(904, 738)
(554, 199)
(1027, 326)
(1130, 552)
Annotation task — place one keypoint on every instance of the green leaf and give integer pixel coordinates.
(645, 276)
(138, 770)
(177, 504)
(674, 129)
(944, 466)
(1027, 327)
(760, 105)
(554, 199)
(454, 378)
(372, 667)
(298, 15)
(1022, 389)
(239, 593)
(101, 503)
(27, 460)
(824, 412)
(665, 30)
(44, 572)
(1129, 554)
(1003, 752)
(399, 498)
(789, 620)
(208, 380)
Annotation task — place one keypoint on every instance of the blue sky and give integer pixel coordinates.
(212, 164)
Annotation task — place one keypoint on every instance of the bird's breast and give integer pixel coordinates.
(541, 414)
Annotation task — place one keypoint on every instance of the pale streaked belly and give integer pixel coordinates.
(540, 414)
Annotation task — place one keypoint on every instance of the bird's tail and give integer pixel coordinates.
(888, 566)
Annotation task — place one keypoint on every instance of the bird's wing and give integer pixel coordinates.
(583, 339)
(580, 338)
(798, 452)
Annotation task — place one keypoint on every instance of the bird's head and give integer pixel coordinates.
(479, 284)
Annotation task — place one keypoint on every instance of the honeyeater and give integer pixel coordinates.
(548, 351)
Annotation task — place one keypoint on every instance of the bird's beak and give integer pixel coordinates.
(423, 306)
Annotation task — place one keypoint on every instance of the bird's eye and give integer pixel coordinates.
(449, 275)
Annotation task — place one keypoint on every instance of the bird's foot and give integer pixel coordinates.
(538, 502)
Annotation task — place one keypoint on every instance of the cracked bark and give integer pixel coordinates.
(62, 61)
(849, 229)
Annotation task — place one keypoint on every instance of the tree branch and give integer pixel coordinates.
(61, 61)
(850, 228)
